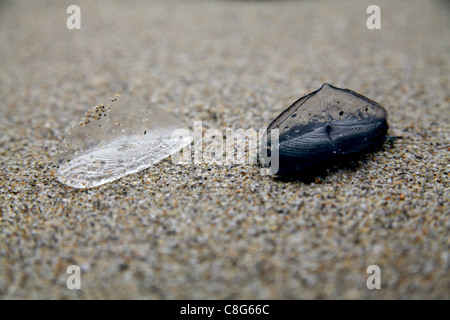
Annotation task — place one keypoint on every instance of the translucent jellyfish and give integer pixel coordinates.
(324, 126)
(117, 139)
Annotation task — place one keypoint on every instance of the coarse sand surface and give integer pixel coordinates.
(225, 231)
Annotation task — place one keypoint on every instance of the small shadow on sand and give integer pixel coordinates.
(349, 162)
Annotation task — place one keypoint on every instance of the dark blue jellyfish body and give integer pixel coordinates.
(326, 126)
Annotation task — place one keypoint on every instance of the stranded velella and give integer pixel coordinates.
(116, 139)
(325, 126)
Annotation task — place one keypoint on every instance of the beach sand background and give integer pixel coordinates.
(209, 231)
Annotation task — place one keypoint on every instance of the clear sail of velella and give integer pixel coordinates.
(117, 139)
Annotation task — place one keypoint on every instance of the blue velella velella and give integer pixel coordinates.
(327, 125)
(117, 139)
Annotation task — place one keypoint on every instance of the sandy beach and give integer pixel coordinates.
(211, 231)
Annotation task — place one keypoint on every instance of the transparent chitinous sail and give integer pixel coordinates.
(326, 123)
(117, 139)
